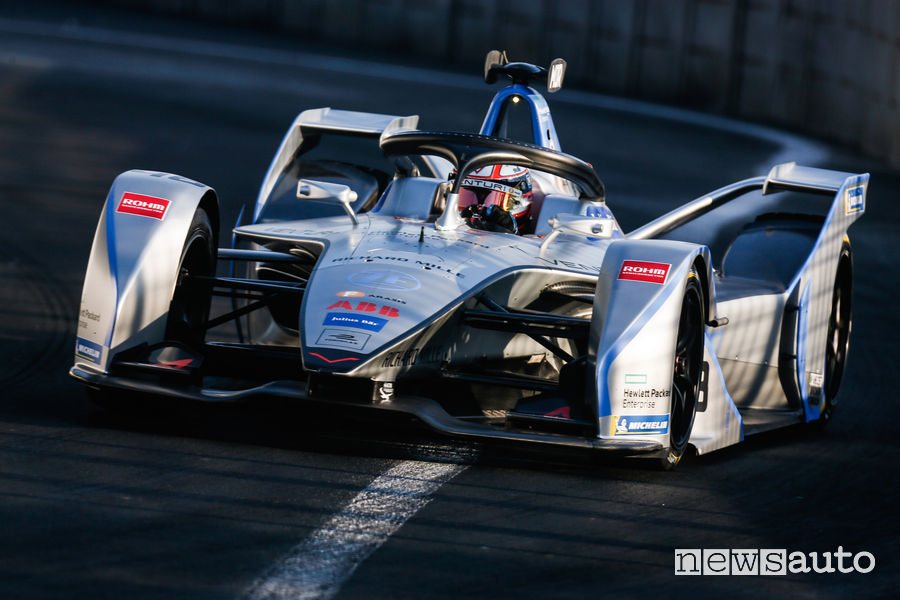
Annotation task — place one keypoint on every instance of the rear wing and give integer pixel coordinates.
(319, 121)
(791, 176)
(846, 188)
(351, 122)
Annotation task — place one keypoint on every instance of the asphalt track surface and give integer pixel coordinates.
(207, 502)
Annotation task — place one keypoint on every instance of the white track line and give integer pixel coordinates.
(316, 568)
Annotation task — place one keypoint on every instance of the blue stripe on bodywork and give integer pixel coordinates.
(380, 203)
(237, 223)
(113, 259)
(604, 408)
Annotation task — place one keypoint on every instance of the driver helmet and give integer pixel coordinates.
(506, 186)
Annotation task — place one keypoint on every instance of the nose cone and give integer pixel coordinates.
(352, 311)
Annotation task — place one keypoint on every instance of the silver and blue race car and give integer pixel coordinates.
(356, 281)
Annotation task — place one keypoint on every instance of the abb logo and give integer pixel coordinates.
(639, 270)
(370, 307)
(145, 206)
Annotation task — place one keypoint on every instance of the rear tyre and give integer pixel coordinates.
(686, 376)
(839, 325)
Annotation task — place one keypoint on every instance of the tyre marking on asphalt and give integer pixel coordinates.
(318, 566)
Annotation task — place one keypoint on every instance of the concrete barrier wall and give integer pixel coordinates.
(830, 68)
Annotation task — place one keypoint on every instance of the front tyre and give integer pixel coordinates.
(188, 312)
(687, 370)
(189, 309)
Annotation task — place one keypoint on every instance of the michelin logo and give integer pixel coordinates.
(855, 200)
(640, 425)
(88, 350)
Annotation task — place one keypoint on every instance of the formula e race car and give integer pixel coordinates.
(359, 282)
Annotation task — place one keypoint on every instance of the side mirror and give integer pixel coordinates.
(328, 192)
(493, 58)
(578, 225)
(555, 75)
